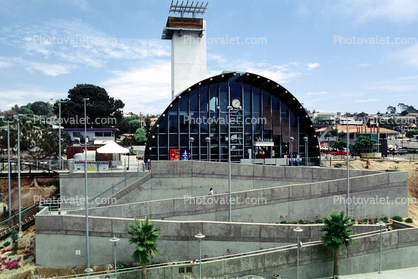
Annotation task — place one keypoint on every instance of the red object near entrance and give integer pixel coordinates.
(174, 154)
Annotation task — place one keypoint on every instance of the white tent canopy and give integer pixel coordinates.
(112, 147)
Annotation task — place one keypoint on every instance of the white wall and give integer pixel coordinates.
(188, 60)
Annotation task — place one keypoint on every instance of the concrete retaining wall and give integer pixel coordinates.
(179, 178)
(399, 251)
(72, 185)
(57, 238)
(377, 194)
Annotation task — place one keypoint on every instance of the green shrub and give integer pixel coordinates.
(7, 243)
(14, 236)
(338, 165)
(409, 220)
(385, 219)
(283, 222)
(397, 218)
(301, 222)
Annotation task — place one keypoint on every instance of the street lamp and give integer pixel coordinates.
(381, 224)
(291, 150)
(88, 269)
(305, 138)
(298, 230)
(114, 239)
(16, 117)
(230, 109)
(348, 168)
(200, 237)
(208, 144)
(191, 147)
(8, 165)
(59, 132)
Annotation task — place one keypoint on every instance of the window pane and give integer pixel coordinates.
(204, 99)
(193, 101)
(173, 123)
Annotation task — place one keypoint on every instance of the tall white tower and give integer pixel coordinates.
(188, 45)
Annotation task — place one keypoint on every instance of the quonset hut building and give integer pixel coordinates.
(262, 119)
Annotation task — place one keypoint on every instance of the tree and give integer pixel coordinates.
(340, 143)
(8, 113)
(102, 110)
(334, 133)
(391, 110)
(144, 236)
(412, 133)
(140, 135)
(14, 236)
(318, 120)
(26, 109)
(405, 109)
(123, 127)
(15, 108)
(363, 143)
(13, 137)
(40, 142)
(134, 125)
(362, 114)
(337, 234)
(40, 108)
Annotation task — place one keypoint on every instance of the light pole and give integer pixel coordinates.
(8, 165)
(305, 138)
(381, 224)
(208, 144)
(298, 230)
(59, 133)
(229, 109)
(200, 236)
(18, 171)
(348, 168)
(291, 150)
(191, 147)
(88, 269)
(114, 239)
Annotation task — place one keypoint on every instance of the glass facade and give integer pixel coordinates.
(259, 117)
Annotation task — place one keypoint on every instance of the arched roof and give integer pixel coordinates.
(256, 81)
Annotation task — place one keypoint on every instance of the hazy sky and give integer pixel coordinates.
(334, 56)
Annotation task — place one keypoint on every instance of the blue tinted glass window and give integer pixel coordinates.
(194, 104)
(213, 102)
(183, 103)
(203, 99)
(174, 141)
(256, 99)
(163, 125)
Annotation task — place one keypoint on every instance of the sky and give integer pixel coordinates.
(334, 56)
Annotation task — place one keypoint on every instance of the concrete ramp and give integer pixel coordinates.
(126, 190)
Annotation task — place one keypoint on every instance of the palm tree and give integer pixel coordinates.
(144, 236)
(337, 234)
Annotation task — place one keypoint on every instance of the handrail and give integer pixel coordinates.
(30, 164)
(114, 185)
(27, 216)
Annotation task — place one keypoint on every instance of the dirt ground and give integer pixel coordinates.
(29, 192)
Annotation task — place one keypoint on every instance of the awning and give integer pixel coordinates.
(102, 142)
(112, 147)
